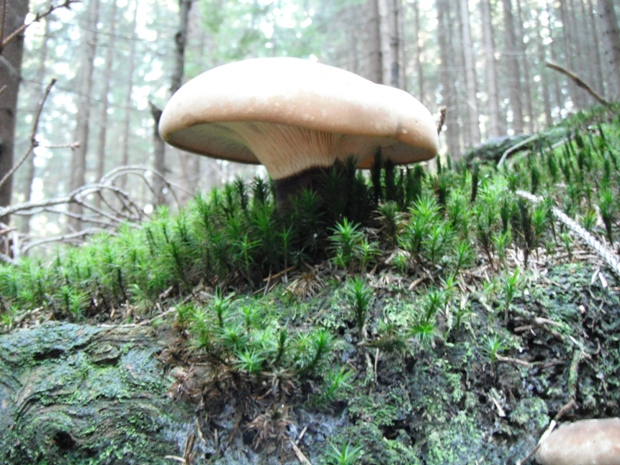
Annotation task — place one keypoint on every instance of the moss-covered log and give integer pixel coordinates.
(86, 394)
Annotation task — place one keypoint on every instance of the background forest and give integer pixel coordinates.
(116, 63)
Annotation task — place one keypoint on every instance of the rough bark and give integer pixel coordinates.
(611, 41)
(10, 75)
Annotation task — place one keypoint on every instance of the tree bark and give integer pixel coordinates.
(10, 75)
(611, 41)
(85, 87)
(495, 126)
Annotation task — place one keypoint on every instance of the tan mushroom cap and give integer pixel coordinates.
(586, 442)
(292, 115)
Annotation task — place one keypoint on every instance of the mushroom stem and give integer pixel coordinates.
(286, 189)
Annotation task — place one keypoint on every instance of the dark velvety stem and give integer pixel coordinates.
(288, 188)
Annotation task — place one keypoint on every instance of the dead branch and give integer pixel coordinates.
(143, 172)
(577, 80)
(37, 17)
(33, 135)
(118, 207)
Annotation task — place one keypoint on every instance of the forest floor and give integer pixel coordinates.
(408, 354)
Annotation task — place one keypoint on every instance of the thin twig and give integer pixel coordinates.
(33, 135)
(37, 17)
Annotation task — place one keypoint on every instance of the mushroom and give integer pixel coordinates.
(296, 117)
(586, 442)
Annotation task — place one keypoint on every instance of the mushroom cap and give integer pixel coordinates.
(586, 442)
(267, 110)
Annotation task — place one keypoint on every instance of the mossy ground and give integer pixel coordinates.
(443, 320)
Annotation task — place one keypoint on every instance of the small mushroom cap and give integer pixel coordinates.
(586, 442)
(292, 114)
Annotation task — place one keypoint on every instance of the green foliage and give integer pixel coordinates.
(345, 455)
(359, 296)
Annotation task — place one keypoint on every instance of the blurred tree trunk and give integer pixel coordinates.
(30, 166)
(371, 56)
(107, 79)
(131, 66)
(11, 18)
(556, 89)
(447, 71)
(85, 88)
(388, 12)
(611, 41)
(494, 115)
(521, 46)
(544, 75)
(514, 73)
(417, 38)
(595, 47)
(178, 71)
(569, 49)
(470, 75)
